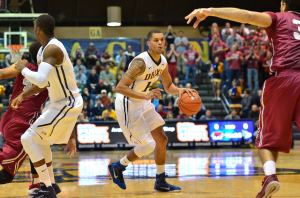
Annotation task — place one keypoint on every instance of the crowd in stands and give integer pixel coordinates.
(239, 64)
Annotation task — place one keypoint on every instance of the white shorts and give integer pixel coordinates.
(137, 119)
(57, 121)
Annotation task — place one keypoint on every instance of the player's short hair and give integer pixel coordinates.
(293, 5)
(149, 35)
(46, 23)
(33, 50)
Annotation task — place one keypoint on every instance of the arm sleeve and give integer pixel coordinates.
(274, 22)
(39, 78)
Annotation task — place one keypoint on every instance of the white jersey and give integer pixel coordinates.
(151, 74)
(61, 83)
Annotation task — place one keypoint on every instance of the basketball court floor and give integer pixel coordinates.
(203, 173)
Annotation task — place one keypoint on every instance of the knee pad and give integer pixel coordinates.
(145, 149)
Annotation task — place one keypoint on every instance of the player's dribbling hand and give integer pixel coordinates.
(71, 148)
(16, 101)
(21, 64)
(187, 90)
(154, 93)
(200, 14)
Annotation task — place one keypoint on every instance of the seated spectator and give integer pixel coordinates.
(81, 79)
(235, 93)
(120, 59)
(161, 111)
(79, 66)
(182, 116)
(233, 115)
(246, 103)
(83, 117)
(170, 115)
(76, 52)
(107, 77)
(254, 113)
(96, 110)
(105, 100)
(106, 59)
(130, 54)
(85, 94)
(208, 116)
(109, 113)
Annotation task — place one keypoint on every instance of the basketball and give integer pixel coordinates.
(190, 105)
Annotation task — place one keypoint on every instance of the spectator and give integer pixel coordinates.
(252, 61)
(106, 59)
(226, 31)
(79, 66)
(235, 93)
(83, 117)
(181, 43)
(170, 115)
(120, 59)
(105, 100)
(232, 116)
(191, 58)
(91, 55)
(170, 36)
(81, 79)
(130, 54)
(109, 113)
(234, 38)
(107, 77)
(246, 103)
(254, 113)
(234, 59)
(214, 30)
(208, 116)
(244, 31)
(96, 110)
(218, 47)
(172, 57)
(216, 70)
(77, 52)
(161, 111)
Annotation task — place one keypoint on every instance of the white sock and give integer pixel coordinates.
(51, 174)
(160, 169)
(125, 161)
(270, 168)
(43, 174)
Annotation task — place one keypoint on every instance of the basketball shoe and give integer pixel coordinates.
(34, 188)
(270, 185)
(116, 171)
(44, 192)
(162, 185)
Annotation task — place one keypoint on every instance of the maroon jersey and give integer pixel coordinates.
(284, 34)
(32, 105)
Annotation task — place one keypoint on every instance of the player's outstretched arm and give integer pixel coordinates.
(260, 19)
(9, 72)
(169, 85)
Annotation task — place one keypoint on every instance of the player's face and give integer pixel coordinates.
(36, 31)
(283, 7)
(157, 43)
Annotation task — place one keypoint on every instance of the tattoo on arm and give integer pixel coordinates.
(136, 68)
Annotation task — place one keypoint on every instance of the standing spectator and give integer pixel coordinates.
(234, 38)
(244, 31)
(181, 43)
(226, 31)
(234, 59)
(218, 47)
(217, 68)
(91, 55)
(170, 36)
(252, 61)
(172, 57)
(214, 30)
(130, 54)
(105, 100)
(191, 58)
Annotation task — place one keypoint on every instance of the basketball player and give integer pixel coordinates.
(15, 122)
(141, 124)
(56, 123)
(281, 93)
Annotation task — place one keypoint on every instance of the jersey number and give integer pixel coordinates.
(147, 87)
(297, 34)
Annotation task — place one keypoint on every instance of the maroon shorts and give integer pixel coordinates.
(280, 106)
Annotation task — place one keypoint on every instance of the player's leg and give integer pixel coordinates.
(12, 154)
(275, 128)
(160, 154)
(34, 144)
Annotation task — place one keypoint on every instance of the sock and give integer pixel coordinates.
(51, 174)
(269, 167)
(35, 180)
(43, 174)
(160, 169)
(124, 161)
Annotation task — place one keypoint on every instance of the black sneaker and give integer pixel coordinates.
(5, 177)
(161, 184)
(45, 192)
(116, 171)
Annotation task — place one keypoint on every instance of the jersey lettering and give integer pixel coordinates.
(297, 34)
(147, 87)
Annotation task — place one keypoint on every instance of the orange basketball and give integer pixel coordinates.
(189, 105)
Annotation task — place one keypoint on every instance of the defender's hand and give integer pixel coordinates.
(200, 14)
(21, 64)
(188, 91)
(16, 101)
(71, 147)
